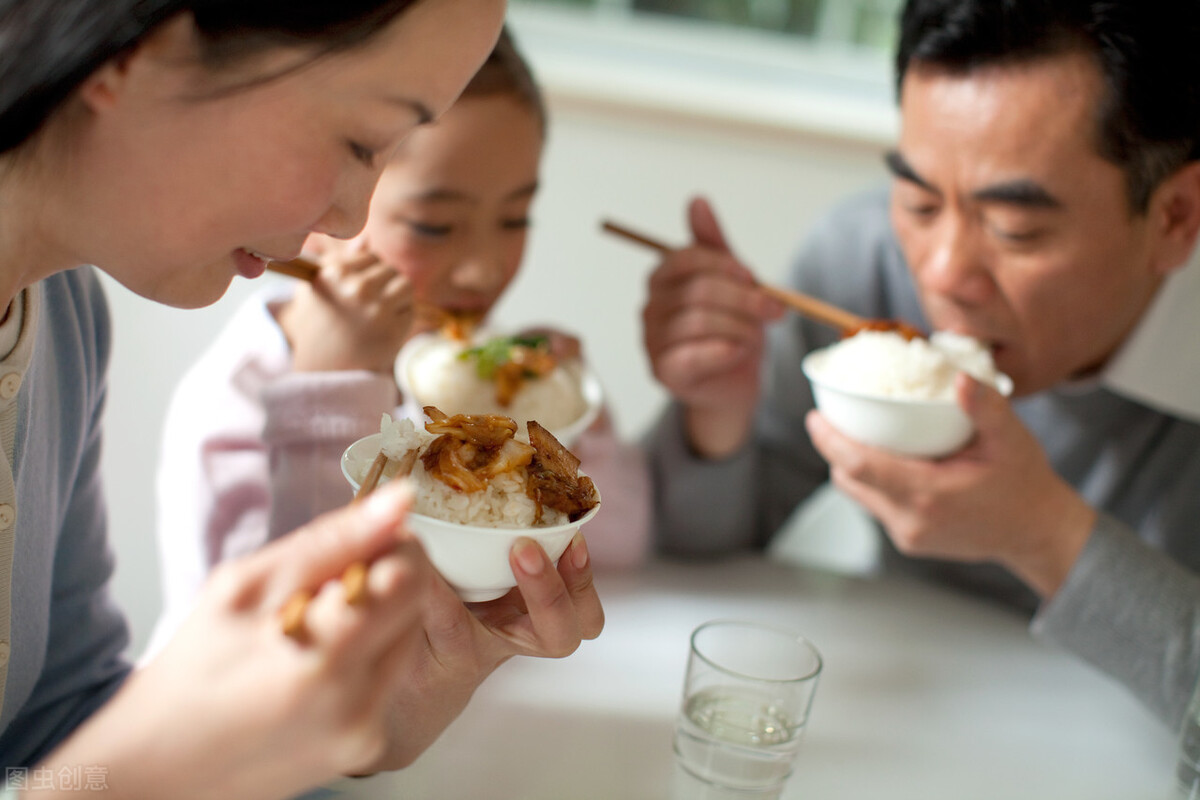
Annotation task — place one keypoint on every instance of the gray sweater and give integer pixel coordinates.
(65, 651)
(1130, 605)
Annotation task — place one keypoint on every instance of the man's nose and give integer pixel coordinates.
(956, 264)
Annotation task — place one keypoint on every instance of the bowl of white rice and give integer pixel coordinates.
(897, 394)
(467, 535)
(433, 370)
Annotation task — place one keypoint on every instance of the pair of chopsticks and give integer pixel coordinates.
(845, 321)
(354, 579)
(300, 268)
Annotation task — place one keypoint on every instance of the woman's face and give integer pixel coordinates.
(184, 187)
(451, 210)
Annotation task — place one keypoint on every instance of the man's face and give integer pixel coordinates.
(1015, 229)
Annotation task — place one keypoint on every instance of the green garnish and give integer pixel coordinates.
(495, 353)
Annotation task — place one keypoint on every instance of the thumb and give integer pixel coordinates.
(323, 549)
(318, 244)
(989, 410)
(703, 222)
(358, 245)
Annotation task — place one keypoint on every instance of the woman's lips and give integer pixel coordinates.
(249, 265)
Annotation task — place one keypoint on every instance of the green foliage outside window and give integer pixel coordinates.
(864, 23)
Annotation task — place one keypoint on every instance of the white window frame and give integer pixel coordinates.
(612, 56)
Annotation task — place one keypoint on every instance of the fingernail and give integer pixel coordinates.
(382, 504)
(579, 552)
(529, 556)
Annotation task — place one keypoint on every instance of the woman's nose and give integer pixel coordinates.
(346, 215)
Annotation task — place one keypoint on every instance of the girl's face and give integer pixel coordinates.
(451, 210)
(186, 186)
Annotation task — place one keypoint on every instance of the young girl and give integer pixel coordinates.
(256, 429)
(174, 144)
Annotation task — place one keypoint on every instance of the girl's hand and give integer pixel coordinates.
(356, 314)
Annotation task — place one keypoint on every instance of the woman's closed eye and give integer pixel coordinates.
(362, 153)
(515, 224)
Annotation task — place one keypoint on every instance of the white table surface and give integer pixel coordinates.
(925, 694)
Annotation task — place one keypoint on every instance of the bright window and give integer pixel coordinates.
(822, 65)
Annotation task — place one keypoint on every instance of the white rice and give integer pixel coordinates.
(883, 363)
(436, 376)
(503, 504)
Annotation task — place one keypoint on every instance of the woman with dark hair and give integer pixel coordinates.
(175, 145)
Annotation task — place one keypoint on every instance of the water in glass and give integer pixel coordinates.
(736, 744)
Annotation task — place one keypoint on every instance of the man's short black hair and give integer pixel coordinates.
(1148, 53)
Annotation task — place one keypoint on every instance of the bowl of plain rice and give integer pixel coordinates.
(896, 394)
(467, 535)
(432, 369)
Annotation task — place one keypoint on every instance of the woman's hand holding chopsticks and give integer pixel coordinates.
(550, 612)
(231, 672)
(367, 687)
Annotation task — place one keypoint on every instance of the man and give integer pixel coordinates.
(1046, 200)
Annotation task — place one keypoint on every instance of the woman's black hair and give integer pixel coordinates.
(49, 47)
(1147, 52)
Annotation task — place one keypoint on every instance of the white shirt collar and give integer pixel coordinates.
(1159, 364)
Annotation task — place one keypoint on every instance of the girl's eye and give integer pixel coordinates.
(426, 229)
(362, 153)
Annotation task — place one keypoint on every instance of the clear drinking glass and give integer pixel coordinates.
(1187, 769)
(746, 699)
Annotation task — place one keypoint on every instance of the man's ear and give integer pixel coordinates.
(1175, 210)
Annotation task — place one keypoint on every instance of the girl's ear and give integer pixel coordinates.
(1176, 204)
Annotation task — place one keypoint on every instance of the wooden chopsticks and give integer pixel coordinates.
(807, 305)
(456, 325)
(300, 268)
(354, 579)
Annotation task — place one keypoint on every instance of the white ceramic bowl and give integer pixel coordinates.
(582, 379)
(473, 559)
(908, 427)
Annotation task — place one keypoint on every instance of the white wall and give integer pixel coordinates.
(636, 166)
